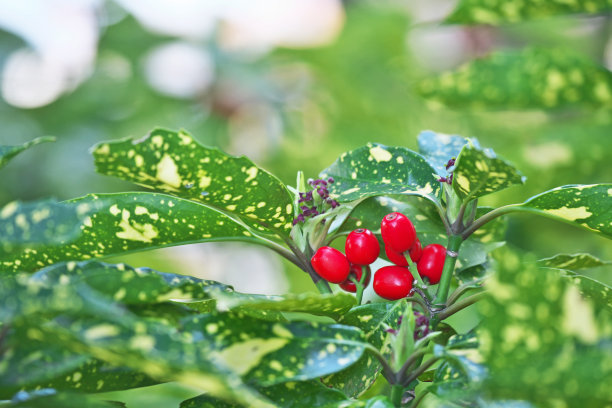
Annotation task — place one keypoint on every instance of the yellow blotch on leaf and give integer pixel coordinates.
(167, 172)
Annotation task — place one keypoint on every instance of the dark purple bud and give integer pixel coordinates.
(399, 321)
(310, 181)
(392, 331)
(334, 204)
(330, 180)
(442, 180)
(304, 208)
(450, 163)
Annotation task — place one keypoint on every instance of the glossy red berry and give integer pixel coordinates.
(392, 282)
(416, 251)
(432, 262)
(356, 272)
(397, 232)
(395, 257)
(331, 264)
(361, 247)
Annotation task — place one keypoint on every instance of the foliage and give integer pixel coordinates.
(80, 325)
(72, 326)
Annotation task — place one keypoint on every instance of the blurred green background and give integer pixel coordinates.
(292, 84)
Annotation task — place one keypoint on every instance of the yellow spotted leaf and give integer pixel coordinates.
(533, 78)
(175, 163)
(376, 169)
(497, 12)
(588, 206)
(479, 172)
(119, 223)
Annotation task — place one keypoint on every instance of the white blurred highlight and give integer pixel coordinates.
(247, 268)
(179, 69)
(63, 35)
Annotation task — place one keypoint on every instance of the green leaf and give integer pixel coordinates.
(37, 363)
(533, 78)
(497, 12)
(599, 293)
(127, 284)
(27, 226)
(439, 148)
(572, 261)
(587, 206)
(8, 152)
(373, 319)
(92, 325)
(333, 305)
(269, 353)
(304, 394)
(173, 162)
(542, 341)
(49, 398)
(376, 169)
(479, 172)
(126, 222)
(458, 378)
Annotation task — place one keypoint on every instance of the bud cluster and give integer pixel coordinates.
(308, 200)
(448, 179)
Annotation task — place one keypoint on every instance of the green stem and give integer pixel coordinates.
(422, 368)
(488, 217)
(460, 305)
(420, 302)
(396, 395)
(359, 285)
(323, 286)
(463, 289)
(409, 361)
(452, 251)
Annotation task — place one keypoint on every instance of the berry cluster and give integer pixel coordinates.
(310, 205)
(362, 249)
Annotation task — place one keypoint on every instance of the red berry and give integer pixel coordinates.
(331, 264)
(416, 251)
(397, 232)
(361, 247)
(432, 262)
(395, 257)
(356, 272)
(392, 282)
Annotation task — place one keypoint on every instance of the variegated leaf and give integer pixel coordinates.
(126, 222)
(8, 152)
(50, 398)
(302, 394)
(269, 353)
(572, 261)
(26, 226)
(499, 11)
(127, 284)
(587, 206)
(533, 78)
(173, 162)
(334, 305)
(92, 325)
(373, 319)
(599, 293)
(376, 169)
(479, 172)
(541, 339)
